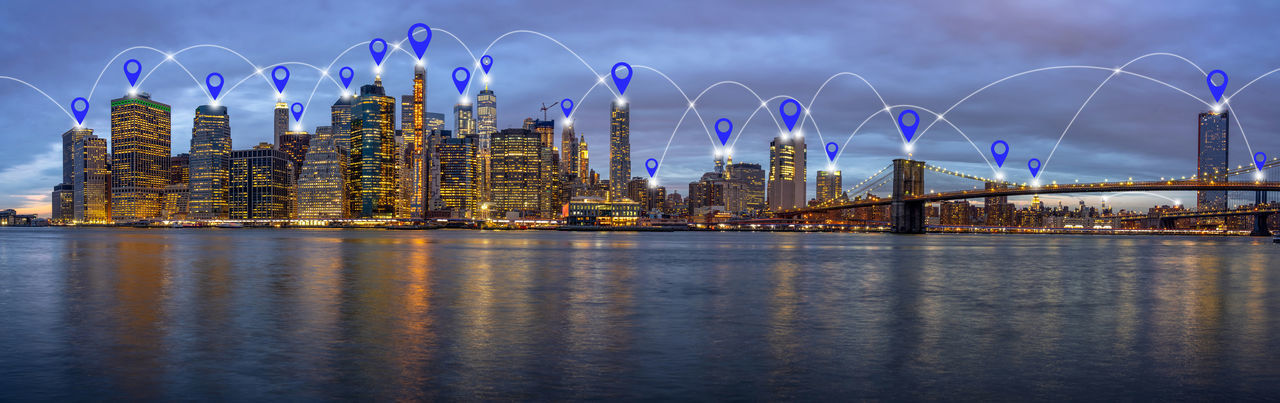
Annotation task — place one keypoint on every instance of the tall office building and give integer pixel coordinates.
(371, 173)
(752, 179)
(210, 163)
(787, 157)
(432, 122)
(516, 175)
(486, 113)
(63, 194)
(261, 183)
(433, 128)
(320, 195)
(464, 122)
(340, 118)
(459, 174)
(295, 145)
(180, 169)
(1212, 158)
(91, 180)
(281, 122)
(569, 150)
(584, 161)
(828, 186)
(619, 149)
(140, 150)
(69, 139)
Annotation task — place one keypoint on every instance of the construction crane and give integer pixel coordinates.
(545, 107)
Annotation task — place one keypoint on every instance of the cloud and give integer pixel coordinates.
(27, 187)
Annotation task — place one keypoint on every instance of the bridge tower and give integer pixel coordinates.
(907, 217)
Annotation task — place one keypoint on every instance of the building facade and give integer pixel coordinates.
(787, 157)
(261, 184)
(141, 132)
(619, 149)
(371, 164)
(210, 163)
(516, 175)
(1211, 159)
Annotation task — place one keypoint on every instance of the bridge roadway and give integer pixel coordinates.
(1105, 187)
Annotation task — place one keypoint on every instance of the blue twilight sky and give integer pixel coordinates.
(928, 54)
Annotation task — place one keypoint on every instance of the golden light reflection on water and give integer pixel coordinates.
(457, 315)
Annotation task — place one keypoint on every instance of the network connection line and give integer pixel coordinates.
(46, 95)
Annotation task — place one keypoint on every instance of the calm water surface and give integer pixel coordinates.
(207, 314)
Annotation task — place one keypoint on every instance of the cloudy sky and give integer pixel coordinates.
(928, 54)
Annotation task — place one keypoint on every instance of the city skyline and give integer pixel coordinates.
(657, 106)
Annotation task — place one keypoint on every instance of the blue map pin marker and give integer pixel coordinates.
(652, 166)
(81, 111)
(791, 118)
(346, 74)
(461, 83)
(566, 106)
(1217, 90)
(1259, 159)
(908, 131)
(832, 150)
(999, 150)
(132, 75)
(214, 89)
(419, 47)
(621, 82)
(486, 61)
(280, 81)
(297, 111)
(378, 54)
(1034, 166)
(724, 129)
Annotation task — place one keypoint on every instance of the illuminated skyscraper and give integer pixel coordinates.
(516, 175)
(140, 150)
(486, 114)
(752, 179)
(619, 149)
(371, 167)
(64, 192)
(459, 174)
(569, 151)
(320, 193)
(281, 122)
(261, 183)
(433, 128)
(340, 116)
(69, 139)
(584, 161)
(210, 163)
(464, 122)
(295, 145)
(786, 173)
(1212, 158)
(829, 186)
(91, 180)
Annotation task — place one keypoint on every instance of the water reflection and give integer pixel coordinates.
(466, 315)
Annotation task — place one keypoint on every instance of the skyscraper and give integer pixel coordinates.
(829, 186)
(459, 174)
(295, 145)
(281, 122)
(210, 163)
(464, 122)
(619, 149)
(140, 150)
(320, 184)
(569, 150)
(584, 161)
(261, 179)
(516, 172)
(64, 192)
(787, 156)
(371, 177)
(69, 139)
(486, 113)
(1212, 158)
(752, 179)
(91, 181)
(340, 116)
